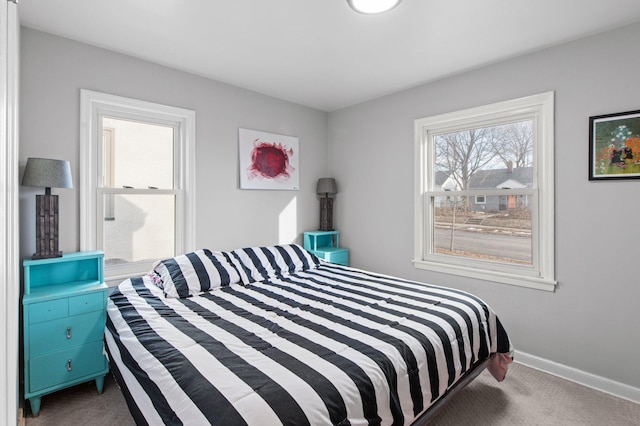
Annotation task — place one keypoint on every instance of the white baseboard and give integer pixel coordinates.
(599, 383)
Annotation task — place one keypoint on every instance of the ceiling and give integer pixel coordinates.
(320, 53)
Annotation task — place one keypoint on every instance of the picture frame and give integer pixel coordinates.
(268, 160)
(614, 146)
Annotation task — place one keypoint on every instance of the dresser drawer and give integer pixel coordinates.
(333, 255)
(64, 333)
(338, 256)
(88, 302)
(49, 310)
(64, 366)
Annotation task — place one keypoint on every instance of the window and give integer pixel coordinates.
(484, 192)
(137, 175)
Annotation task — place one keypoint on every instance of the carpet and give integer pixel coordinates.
(526, 397)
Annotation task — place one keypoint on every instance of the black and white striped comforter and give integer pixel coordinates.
(332, 345)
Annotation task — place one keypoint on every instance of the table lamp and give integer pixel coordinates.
(47, 173)
(326, 187)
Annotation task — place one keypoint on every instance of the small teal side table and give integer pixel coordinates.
(64, 314)
(326, 245)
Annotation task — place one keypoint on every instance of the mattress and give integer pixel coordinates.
(293, 343)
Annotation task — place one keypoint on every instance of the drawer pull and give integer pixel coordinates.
(68, 332)
(69, 366)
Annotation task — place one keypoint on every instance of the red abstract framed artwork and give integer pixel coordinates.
(614, 146)
(268, 160)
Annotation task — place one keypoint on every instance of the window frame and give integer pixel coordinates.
(541, 274)
(93, 106)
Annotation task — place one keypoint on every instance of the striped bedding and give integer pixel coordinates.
(318, 344)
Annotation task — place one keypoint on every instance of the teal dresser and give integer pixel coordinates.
(64, 313)
(326, 245)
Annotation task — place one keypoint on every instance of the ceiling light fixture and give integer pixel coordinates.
(372, 7)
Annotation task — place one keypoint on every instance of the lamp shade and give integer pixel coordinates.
(327, 186)
(47, 173)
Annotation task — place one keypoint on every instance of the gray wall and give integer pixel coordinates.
(54, 69)
(591, 321)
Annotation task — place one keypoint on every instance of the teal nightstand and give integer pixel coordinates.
(326, 245)
(64, 306)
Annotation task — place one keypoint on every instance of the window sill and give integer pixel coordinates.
(115, 274)
(537, 283)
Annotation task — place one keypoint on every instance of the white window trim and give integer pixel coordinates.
(542, 274)
(92, 106)
(10, 372)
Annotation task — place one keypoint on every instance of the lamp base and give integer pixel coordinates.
(37, 256)
(46, 227)
(326, 214)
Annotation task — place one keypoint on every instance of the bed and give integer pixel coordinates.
(272, 335)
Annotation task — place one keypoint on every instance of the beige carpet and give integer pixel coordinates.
(526, 397)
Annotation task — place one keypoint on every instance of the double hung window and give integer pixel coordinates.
(137, 164)
(484, 192)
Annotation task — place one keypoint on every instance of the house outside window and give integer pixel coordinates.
(484, 192)
(137, 175)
